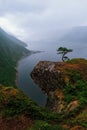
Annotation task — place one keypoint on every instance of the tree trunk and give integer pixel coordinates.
(63, 57)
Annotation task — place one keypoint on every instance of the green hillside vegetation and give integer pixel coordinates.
(10, 53)
(13, 104)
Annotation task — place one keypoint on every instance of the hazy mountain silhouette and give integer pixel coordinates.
(77, 34)
(11, 38)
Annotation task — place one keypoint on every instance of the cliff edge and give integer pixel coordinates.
(65, 83)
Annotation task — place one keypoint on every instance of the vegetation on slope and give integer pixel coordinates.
(67, 93)
(14, 105)
(76, 90)
(10, 53)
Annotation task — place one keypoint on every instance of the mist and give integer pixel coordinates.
(36, 20)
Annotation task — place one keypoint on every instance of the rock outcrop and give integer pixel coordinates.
(53, 77)
(47, 76)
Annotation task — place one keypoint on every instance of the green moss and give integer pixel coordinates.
(13, 103)
(76, 92)
(80, 120)
(43, 125)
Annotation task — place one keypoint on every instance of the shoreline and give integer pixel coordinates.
(22, 57)
(25, 83)
(16, 69)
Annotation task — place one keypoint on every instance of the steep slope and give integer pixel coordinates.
(11, 38)
(18, 112)
(10, 52)
(65, 83)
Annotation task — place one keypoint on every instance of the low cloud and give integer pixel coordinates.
(41, 20)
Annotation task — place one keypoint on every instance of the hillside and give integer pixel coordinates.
(18, 112)
(66, 103)
(11, 50)
(11, 38)
(65, 83)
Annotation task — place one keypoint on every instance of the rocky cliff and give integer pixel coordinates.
(62, 82)
(47, 76)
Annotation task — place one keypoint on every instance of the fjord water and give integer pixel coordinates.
(25, 82)
(27, 64)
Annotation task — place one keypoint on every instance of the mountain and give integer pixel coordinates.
(11, 38)
(11, 50)
(77, 35)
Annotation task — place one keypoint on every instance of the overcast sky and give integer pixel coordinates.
(32, 20)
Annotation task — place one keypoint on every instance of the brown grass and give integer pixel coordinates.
(19, 123)
(77, 127)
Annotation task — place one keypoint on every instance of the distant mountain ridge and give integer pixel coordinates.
(12, 38)
(77, 34)
(11, 50)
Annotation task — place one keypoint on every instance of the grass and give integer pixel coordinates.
(13, 103)
(43, 125)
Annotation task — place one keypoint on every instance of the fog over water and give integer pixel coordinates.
(36, 20)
